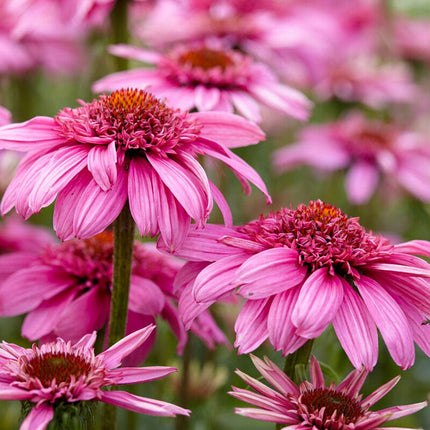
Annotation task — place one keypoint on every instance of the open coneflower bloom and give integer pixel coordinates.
(208, 78)
(313, 405)
(66, 291)
(128, 145)
(368, 149)
(302, 269)
(60, 373)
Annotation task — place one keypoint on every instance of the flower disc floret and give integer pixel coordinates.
(137, 121)
(322, 235)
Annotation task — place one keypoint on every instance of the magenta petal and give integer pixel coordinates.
(390, 320)
(102, 165)
(269, 272)
(251, 325)
(227, 129)
(9, 392)
(317, 304)
(145, 296)
(361, 182)
(14, 261)
(26, 289)
(206, 98)
(246, 105)
(419, 247)
(42, 320)
(282, 332)
(142, 405)
(356, 330)
(38, 418)
(216, 280)
(134, 53)
(138, 375)
(222, 205)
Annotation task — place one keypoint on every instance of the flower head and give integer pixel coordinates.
(302, 269)
(313, 405)
(59, 373)
(128, 145)
(208, 77)
(368, 148)
(66, 291)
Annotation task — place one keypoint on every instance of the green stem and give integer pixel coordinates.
(119, 31)
(122, 262)
(294, 362)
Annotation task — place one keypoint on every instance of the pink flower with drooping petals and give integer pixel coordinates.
(369, 149)
(300, 270)
(60, 373)
(314, 405)
(66, 291)
(208, 77)
(125, 146)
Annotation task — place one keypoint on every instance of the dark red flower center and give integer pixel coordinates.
(336, 406)
(60, 366)
(135, 120)
(206, 59)
(322, 235)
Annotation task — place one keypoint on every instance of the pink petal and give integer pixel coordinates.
(26, 289)
(317, 304)
(361, 182)
(419, 247)
(246, 105)
(251, 325)
(145, 296)
(269, 272)
(9, 392)
(222, 205)
(136, 78)
(142, 405)
(269, 416)
(14, 261)
(112, 357)
(38, 418)
(134, 53)
(37, 134)
(138, 375)
(356, 330)
(227, 129)
(390, 320)
(216, 280)
(206, 98)
(102, 165)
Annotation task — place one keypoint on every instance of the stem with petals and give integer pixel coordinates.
(294, 361)
(122, 262)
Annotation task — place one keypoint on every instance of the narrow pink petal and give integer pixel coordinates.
(86, 342)
(403, 410)
(269, 416)
(37, 134)
(134, 53)
(14, 261)
(317, 304)
(352, 384)
(87, 313)
(206, 97)
(264, 401)
(282, 332)
(138, 375)
(246, 105)
(42, 320)
(227, 129)
(390, 320)
(142, 189)
(222, 205)
(38, 418)
(361, 182)
(26, 289)
(142, 405)
(419, 247)
(102, 165)
(251, 325)
(112, 357)
(96, 209)
(379, 393)
(9, 392)
(317, 376)
(145, 296)
(190, 191)
(137, 78)
(269, 272)
(217, 279)
(356, 330)
(397, 268)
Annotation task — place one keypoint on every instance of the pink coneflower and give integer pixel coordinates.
(66, 290)
(369, 149)
(129, 145)
(59, 373)
(208, 77)
(313, 405)
(300, 270)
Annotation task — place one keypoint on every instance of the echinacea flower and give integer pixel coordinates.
(65, 289)
(60, 373)
(312, 404)
(368, 149)
(208, 77)
(302, 269)
(128, 145)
